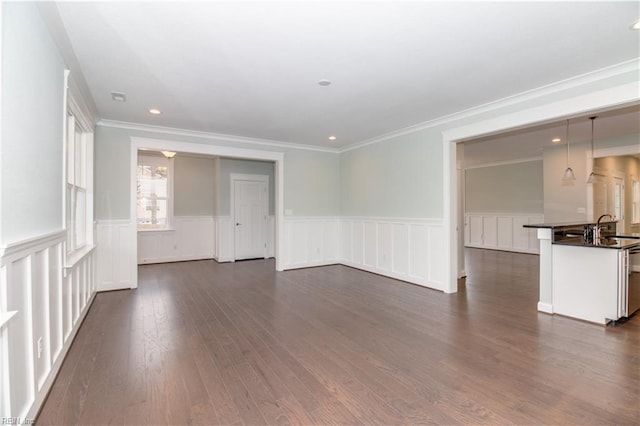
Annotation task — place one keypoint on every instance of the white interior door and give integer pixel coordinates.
(250, 209)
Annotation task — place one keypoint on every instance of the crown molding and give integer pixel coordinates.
(590, 77)
(211, 136)
(569, 83)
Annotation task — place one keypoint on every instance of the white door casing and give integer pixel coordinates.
(250, 200)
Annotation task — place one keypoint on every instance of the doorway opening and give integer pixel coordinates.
(275, 160)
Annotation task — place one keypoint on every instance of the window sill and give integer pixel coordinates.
(157, 230)
(74, 258)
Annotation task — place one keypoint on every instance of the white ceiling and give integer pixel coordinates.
(251, 68)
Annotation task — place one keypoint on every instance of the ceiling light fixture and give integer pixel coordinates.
(556, 140)
(168, 154)
(324, 82)
(636, 25)
(593, 176)
(118, 96)
(568, 173)
(332, 138)
(155, 111)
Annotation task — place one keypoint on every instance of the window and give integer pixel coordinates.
(78, 211)
(155, 191)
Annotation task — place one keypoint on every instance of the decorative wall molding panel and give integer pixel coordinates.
(311, 241)
(115, 254)
(42, 304)
(405, 249)
(192, 238)
(225, 240)
(498, 231)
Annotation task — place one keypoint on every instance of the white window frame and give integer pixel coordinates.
(159, 160)
(78, 179)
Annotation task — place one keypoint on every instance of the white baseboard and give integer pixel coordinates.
(55, 368)
(545, 307)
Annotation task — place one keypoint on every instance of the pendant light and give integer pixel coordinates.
(593, 176)
(568, 173)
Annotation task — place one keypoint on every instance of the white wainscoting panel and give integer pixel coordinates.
(499, 231)
(116, 254)
(192, 238)
(311, 241)
(271, 236)
(42, 304)
(405, 249)
(225, 241)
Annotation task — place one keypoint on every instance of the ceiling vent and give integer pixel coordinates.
(118, 96)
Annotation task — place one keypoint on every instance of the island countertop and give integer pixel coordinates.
(617, 243)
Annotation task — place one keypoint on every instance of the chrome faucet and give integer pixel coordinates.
(598, 229)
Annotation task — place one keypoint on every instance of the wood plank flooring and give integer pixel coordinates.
(207, 343)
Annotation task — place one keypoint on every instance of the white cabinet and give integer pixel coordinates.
(585, 282)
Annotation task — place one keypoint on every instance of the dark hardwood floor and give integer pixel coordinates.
(201, 342)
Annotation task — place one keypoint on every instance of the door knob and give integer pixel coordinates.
(237, 224)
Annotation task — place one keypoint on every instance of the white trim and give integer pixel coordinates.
(624, 94)
(502, 214)
(77, 256)
(41, 396)
(213, 136)
(555, 87)
(403, 220)
(5, 317)
(36, 243)
(503, 163)
(138, 143)
(233, 177)
(545, 307)
(614, 151)
(593, 76)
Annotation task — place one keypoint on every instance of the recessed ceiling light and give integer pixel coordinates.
(155, 111)
(556, 140)
(636, 25)
(324, 82)
(332, 138)
(118, 96)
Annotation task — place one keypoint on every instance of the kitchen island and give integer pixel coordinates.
(584, 277)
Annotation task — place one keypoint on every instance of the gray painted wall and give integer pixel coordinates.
(509, 188)
(311, 178)
(229, 166)
(402, 176)
(193, 186)
(32, 116)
